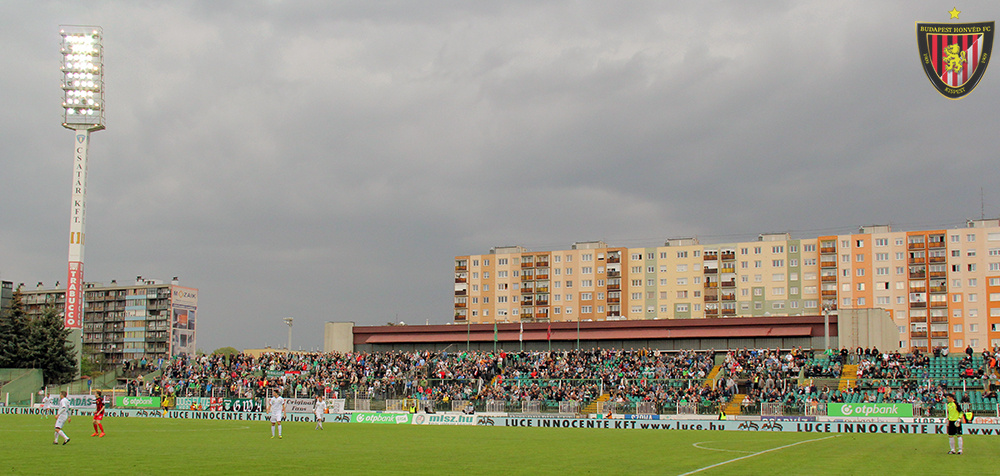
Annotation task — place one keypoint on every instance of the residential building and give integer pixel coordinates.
(941, 287)
(148, 319)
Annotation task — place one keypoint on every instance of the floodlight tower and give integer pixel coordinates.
(83, 112)
(288, 321)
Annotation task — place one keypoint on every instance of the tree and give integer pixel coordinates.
(226, 351)
(14, 330)
(49, 349)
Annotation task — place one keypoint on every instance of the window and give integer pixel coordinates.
(636, 269)
(682, 254)
(793, 262)
(569, 310)
(777, 263)
(663, 268)
(636, 256)
(881, 242)
(682, 281)
(954, 238)
(501, 274)
(970, 253)
(756, 250)
(586, 296)
(973, 282)
(586, 309)
(569, 284)
(973, 297)
(649, 269)
(778, 291)
(569, 271)
(681, 308)
(973, 327)
(970, 237)
(861, 286)
(587, 257)
(758, 264)
(808, 248)
(682, 268)
(860, 272)
(809, 262)
(588, 270)
(882, 271)
(861, 301)
(682, 294)
(881, 256)
(882, 300)
(777, 249)
(778, 277)
(859, 243)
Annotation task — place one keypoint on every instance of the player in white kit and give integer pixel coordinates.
(276, 408)
(62, 417)
(320, 411)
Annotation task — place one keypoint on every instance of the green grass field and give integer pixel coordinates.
(164, 446)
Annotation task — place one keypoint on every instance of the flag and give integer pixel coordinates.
(548, 335)
(520, 337)
(495, 335)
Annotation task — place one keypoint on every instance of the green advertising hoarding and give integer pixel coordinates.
(137, 402)
(382, 418)
(889, 410)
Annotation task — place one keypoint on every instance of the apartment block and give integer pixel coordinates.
(941, 287)
(147, 319)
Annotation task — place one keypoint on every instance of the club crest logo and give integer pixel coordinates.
(955, 55)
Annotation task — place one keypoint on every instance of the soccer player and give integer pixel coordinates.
(955, 419)
(320, 411)
(99, 415)
(62, 417)
(276, 408)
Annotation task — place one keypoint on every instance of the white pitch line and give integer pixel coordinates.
(755, 454)
(716, 449)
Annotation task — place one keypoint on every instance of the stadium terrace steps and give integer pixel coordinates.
(592, 406)
(848, 377)
(714, 374)
(735, 406)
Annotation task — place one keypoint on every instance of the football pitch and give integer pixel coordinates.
(171, 446)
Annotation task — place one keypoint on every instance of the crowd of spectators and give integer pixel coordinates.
(629, 376)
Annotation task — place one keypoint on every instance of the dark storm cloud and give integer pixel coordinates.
(326, 161)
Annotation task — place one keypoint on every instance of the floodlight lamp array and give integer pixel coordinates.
(83, 77)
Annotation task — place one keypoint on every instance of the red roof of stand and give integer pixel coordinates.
(790, 326)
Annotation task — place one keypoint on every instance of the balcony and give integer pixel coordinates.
(727, 270)
(921, 289)
(711, 270)
(711, 256)
(542, 289)
(827, 264)
(541, 264)
(828, 250)
(541, 276)
(918, 274)
(614, 273)
(461, 267)
(614, 259)
(939, 334)
(728, 296)
(828, 279)
(919, 319)
(937, 259)
(916, 334)
(711, 284)
(528, 264)
(729, 312)
(460, 305)
(614, 300)
(938, 319)
(939, 289)
(460, 280)
(527, 290)
(826, 293)
(729, 256)
(939, 304)
(939, 274)
(461, 292)
(916, 260)
(711, 312)
(614, 286)
(916, 246)
(729, 284)
(935, 244)
(709, 298)
(918, 305)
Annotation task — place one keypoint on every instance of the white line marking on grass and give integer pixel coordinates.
(715, 449)
(755, 454)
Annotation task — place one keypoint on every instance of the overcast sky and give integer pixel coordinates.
(327, 160)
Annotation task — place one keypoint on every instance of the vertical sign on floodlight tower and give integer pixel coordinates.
(83, 112)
